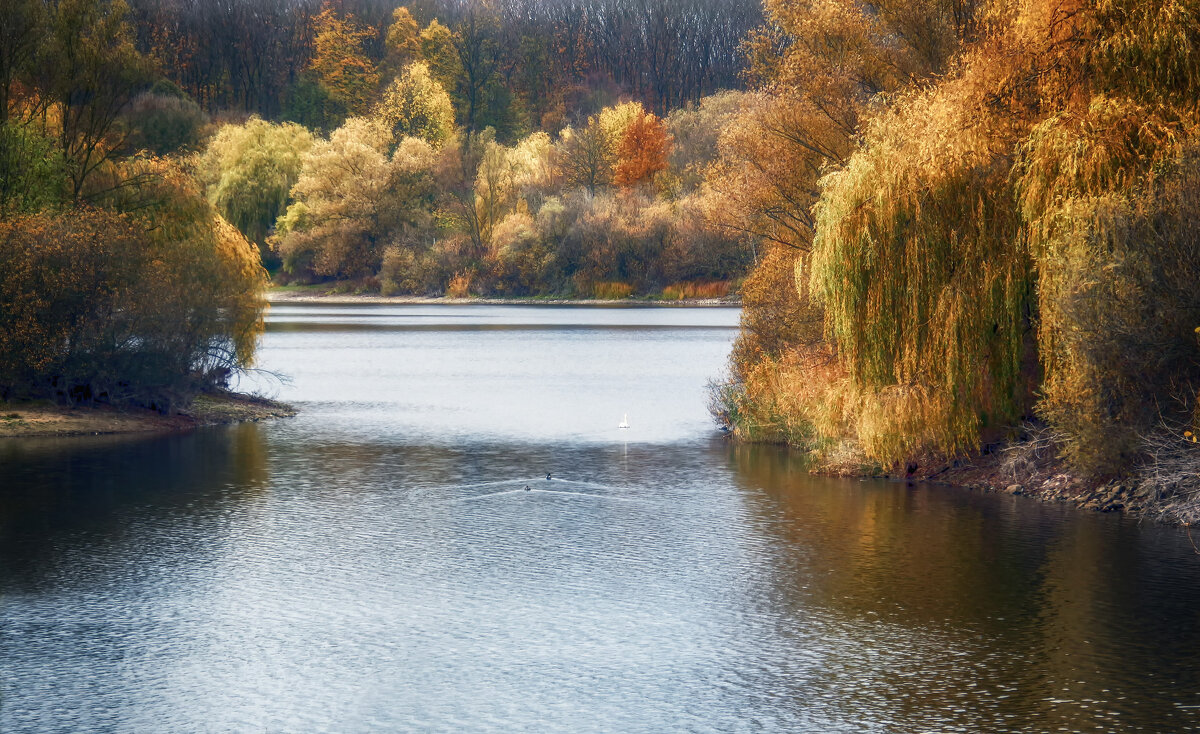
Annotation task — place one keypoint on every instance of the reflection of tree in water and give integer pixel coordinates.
(103, 502)
(928, 602)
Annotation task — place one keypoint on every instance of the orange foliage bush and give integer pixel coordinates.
(696, 289)
(643, 150)
(460, 286)
(612, 291)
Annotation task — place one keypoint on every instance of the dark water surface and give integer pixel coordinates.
(377, 565)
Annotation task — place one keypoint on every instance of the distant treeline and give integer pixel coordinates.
(533, 63)
(154, 156)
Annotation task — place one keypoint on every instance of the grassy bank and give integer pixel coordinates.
(41, 418)
(333, 294)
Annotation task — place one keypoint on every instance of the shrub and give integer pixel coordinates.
(1111, 197)
(112, 307)
(611, 290)
(32, 169)
(165, 120)
(696, 289)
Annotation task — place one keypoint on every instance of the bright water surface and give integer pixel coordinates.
(376, 564)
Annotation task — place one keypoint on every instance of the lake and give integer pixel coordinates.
(394, 559)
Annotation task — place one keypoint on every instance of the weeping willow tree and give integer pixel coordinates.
(819, 67)
(1109, 192)
(925, 280)
(249, 170)
(1039, 205)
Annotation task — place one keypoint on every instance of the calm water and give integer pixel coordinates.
(377, 565)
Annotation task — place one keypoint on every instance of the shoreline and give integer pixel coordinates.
(1027, 471)
(274, 296)
(41, 419)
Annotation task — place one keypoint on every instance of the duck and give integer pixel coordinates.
(547, 476)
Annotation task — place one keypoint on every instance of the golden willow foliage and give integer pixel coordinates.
(924, 278)
(249, 170)
(148, 306)
(819, 66)
(1110, 195)
(1040, 201)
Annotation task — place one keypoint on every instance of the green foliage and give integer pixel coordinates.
(164, 120)
(311, 105)
(32, 171)
(249, 171)
(414, 105)
(437, 49)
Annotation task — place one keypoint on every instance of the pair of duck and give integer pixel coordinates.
(548, 478)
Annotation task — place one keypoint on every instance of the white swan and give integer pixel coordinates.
(624, 422)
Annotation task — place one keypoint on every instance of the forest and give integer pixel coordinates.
(161, 163)
(952, 224)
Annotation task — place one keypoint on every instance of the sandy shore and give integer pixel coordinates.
(46, 419)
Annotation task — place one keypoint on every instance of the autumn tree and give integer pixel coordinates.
(1006, 236)
(403, 40)
(585, 157)
(457, 177)
(339, 61)
(643, 150)
(820, 67)
(249, 171)
(478, 52)
(354, 193)
(147, 300)
(414, 104)
(91, 72)
(508, 178)
(438, 50)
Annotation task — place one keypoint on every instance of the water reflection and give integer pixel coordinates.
(366, 567)
(967, 612)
